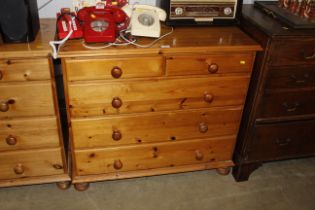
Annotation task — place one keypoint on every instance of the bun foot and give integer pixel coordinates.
(223, 171)
(63, 185)
(81, 186)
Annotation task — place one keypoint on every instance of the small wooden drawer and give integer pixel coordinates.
(149, 156)
(209, 64)
(300, 77)
(294, 52)
(30, 163)
(24, 70)
(287, 103)
(97, 99)
(114, 68)
(28, 133)
(285, 140)
(154, 127)
(26, 99)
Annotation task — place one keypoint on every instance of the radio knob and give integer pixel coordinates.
(179, 11)
(227, 10)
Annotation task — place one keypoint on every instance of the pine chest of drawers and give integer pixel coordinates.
(279, 118)
(31, 146)
(139, 112)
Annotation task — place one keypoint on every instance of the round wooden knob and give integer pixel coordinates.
(203, 127)
(213, 68)
(19, 169)
(11, 140)
(117, 164)
(4, 106)
(117, 102)
(116, 72)
(208, 97)
(1, 75)
(198, 155)
(116, 135)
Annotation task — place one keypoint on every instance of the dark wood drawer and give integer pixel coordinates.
(293, 52)
(287, 103)
(277, 141)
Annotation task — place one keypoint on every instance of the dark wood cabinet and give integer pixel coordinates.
(279, 116)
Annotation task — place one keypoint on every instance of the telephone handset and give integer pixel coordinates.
(67, 22)
(145, 19)
(102, 23)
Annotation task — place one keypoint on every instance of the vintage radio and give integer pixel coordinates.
(202, 12)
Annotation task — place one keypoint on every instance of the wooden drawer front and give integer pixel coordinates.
(140, 157)
(156, 95)
(283, 140)
(30, 163)
(28, 133)
(298, 77)
(211, 64)
(294, 52)
(26, 99)
(97, 69)
(24, 70)
(155, 127)
(278, 104)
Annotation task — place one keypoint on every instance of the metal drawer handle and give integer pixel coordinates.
(309, 57)
(283, 142)
(291, 108)
(305, 78)
(4, 105)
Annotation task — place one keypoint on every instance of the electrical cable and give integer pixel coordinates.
(45, 4)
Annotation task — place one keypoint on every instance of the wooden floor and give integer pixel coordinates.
(284, 185)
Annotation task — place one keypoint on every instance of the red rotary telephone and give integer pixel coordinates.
(102, 23)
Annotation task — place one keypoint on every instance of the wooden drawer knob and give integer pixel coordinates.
(19, 169)
(117, 102)
(117, 164)
(213, 68)
(116, 72)
(116, 135)
(1, 75)
(198, 155)
(11, 140)
(4, 105)
(203, 127)
(208, 97)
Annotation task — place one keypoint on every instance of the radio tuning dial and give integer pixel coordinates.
(227, 10)
(179, 11)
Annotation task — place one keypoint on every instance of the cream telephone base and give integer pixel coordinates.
(145, 20)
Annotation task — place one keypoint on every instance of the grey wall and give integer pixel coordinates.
(52, 8)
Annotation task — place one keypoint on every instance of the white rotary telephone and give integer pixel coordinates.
(145, 20)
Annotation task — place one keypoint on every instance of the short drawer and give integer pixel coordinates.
(98, 99)
(300, 77)
(293, 52)
(154, 127)
(24, 70)
(31, 163)
(209, 64)
(149, 156)
(28, 133)
(285, 140)
(26, 99)
(287, 103)
(114, 68)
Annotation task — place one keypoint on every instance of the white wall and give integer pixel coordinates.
(52, 8)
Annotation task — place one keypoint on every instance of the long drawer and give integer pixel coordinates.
(97, 99)
(287, 103)
(30, 163)
(26, 99)
(114, 68)
(24, 70)
(209, 64)
(28, 133)
(148, 156)
(154, 127)
(277, 141)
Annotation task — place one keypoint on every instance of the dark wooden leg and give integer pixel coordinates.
(63, 185)
(223, 171)
(243, 171)
(81, 186)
